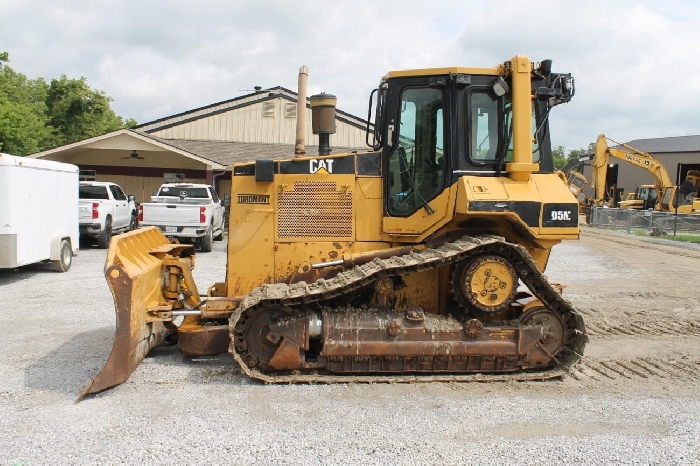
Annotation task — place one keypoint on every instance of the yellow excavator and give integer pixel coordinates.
(663, 195)
(420, 259)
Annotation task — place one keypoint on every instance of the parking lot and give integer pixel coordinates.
(633, 399)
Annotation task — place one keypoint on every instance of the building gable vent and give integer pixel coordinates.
(268, 109)
(290, 110)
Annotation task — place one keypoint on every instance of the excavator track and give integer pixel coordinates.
(302, 295)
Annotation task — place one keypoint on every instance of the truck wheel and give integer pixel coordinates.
(206, 241)
(106, 235)
(65, 257)
(220, 236)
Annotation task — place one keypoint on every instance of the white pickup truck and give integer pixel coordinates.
(186, 211)
(105, 210)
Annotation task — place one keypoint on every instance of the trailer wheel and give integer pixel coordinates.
(65, 257)
(206, 241)
(105, 235)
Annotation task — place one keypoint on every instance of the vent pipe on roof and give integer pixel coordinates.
(301, 112)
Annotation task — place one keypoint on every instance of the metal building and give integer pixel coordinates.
(200, 145)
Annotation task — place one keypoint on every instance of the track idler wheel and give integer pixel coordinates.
(258, 344)
(553, 327)
(486, 284)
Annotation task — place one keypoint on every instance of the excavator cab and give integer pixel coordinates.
(649, 195)
(419, 259)
(679, 198)
(645, 197)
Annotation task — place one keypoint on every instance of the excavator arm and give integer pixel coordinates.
(631, 155)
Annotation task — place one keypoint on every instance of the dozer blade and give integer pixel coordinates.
(134, 270)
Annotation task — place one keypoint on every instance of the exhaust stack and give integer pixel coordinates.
(301, 112)
(323, 120)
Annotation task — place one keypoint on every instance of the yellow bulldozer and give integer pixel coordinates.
(420, 259)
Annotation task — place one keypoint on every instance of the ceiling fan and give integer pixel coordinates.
(134, 155)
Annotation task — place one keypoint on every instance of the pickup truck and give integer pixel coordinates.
(104, 210)
(186, 211)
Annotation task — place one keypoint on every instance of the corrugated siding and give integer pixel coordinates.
(247, 124)
(630, 176)
(197, 113)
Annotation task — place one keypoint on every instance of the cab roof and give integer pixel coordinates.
(444, 71)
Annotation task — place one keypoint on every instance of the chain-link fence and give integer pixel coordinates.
(653, 222)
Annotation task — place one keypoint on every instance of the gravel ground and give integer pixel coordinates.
(58, 331)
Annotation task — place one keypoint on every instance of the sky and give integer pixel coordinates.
(634, 62)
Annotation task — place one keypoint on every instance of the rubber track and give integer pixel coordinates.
(351, 280)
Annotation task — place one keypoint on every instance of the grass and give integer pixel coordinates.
(686, 238)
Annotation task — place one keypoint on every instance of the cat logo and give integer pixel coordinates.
(321, 166)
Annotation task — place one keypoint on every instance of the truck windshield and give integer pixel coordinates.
(183, 192)
(93, 192)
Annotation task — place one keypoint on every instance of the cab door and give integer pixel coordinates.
(217, 209)
(122, 216)
(416, 158)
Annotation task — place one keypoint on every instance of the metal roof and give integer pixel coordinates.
(227, 153)
(667, 145)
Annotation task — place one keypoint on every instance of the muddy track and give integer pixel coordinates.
(302, 294)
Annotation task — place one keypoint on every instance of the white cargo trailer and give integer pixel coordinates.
(38, 212)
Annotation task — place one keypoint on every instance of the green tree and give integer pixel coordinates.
(36, 116)
(558, 157)
(576, 154)
(77, 111)
(23, 123)
(560, 160)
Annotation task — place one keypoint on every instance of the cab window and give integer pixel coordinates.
(417, 160)
(117, 193)
(483, 118)
(214, 197)
(490, 117)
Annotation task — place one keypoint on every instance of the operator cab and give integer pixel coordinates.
(436, 125)
(647, 194)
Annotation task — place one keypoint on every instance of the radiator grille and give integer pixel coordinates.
(314, 209)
